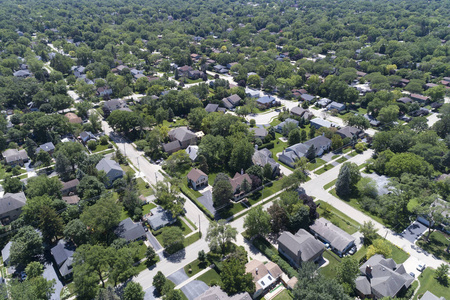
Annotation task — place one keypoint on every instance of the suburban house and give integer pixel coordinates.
(184, 71)
(339, 240)
(430, 296)
(381, 278)
(216, 293)
(197, 179)
(307, 97)
(69, 187)
(318, 123)
(73, 118)
(323, 102)
(159, 217)
(112, 169)
(130, 231)
(220, 69)
(279, 127)
(15, 157)
(104, 91)
(171, 147)
(337, 106)
(298, 111)
(372, 120)
(112, 105)
(192, 151)
(291, 154)
(404, 100)
(11, 206)
(47, 147)
(265, 276)
(349, 132)
(443, 208)
(184, 136)
(236, 183)
(300, 247)
(265, 102)
(63, 255)
(260, 132)
(321, 144)
(231, 101)
(252, 93)
(263, 157)
(419, 98)
(211, 107)
(86, 136)
(22, 74)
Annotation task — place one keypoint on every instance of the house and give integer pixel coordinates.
(197, 179)
(430, 296)
(372, 120)
(279, 127)
(86, 136)
(72, 199)
(360, 74)
(252, 93)
(300, 247)
(211, 107)
(419, 98)
(195, 74)
(220, 69)
(337, 106)
(104, 91)
(380, 277)
(339, 240)
(231, 64)
(22, 74)
(111, 168)
(430, 85)
(15, 157)
(159, 217)
(321, 144)
(404, 100)
(114, 104)
(231, 101)
(184, 70)
(236, 182)
(263, 157)
(297, 111)
(192, 151)
(265, 276)
(47, 147)
(349, 131)
(63, 256)
(6, 253)
(184, 136)
(323, 102)
(260, 132)
(265, 102)
(442, 207)
(171, 147)
(306, 97)
(216, 293)
(73, 118)
(291, 154)
(130, 231)
(318, 122)
(69, 187)
(11, 206)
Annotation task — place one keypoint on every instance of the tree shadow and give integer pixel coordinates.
(176, 257)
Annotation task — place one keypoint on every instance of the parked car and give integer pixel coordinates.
(412, 275)
(352, 250)
(421, 267)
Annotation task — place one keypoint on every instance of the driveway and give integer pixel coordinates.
(207, 202)
(414, 231)
(178, 277)
(153, 241)
(151, 293)
(194, 289)
(49, 274)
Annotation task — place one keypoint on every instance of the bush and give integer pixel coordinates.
(267, 146)
(104, 140)
(359, 148)
(92, 145)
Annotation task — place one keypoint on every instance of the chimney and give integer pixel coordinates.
(256, 271)
(242, 171)
(369, 271)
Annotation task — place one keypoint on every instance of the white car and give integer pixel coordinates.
(421, 267)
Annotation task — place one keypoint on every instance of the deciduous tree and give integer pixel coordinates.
(219, 235)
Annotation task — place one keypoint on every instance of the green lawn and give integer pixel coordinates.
(141, 186)
(437, 245)
(319, 162)
(337, 217)
(143, 265)
(284, 295)
(329, 270)
(429, 283)
(341, 160)
(324, 169)
(398, 255)
(195, 266)
(209, 276)
(127, 169)
(175, 123)
(100, 148)
(147, 207)
(179, 223)
(335, 156)
(329, 184)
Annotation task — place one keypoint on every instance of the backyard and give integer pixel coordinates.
(398, 255)
(437, 245)
(329, 270)
(429, 283)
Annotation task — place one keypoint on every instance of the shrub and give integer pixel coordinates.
(359, 148)
(104, 140)
(267, 146)
(92, 145)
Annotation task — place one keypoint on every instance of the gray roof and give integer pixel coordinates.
(216, 293)
(349, 131)
(336, 105)
(299, 111)
(234, 99)
(181, 134)
(386, 278)
(22, 73)
(160, 217)
(6, 251)
(318, 142)
(302, 242)
(114, 104)
(211, 107)
(70, 184)
(192, 151)
(323, 123)
(307, 97)
(227, 103)
(338, 238)
(11, 202)
(263, 157)
(172, 146)
(62, 251)
(12, 155)
(259, 131)
(430, 296)
(47, 147)
(107, 165)
(129, 230)
(288, 120)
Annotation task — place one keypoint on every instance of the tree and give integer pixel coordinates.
(34, 269)
(62, 166)
(311, 153)
(436, 93)
(90, 188)
(121, 265)
(44, 158)
(12, 185)
(343, 182)
(196, 117)
(177, 162)
(101, 218)
(133, 291)
(441, 273)
(279, 217)
(294, 137)
(367, 187)
(107, 294)
(346, 273)
(234, 279)
(433, 210)
(369, 233)
(94, 259)
(74, 152)
(50, 224)
(219, 235)
(388, 115)
(359, 122)
(37, 288)
(379, 246)
(269, 83)
(241, 155)
(336, 142)
(150, 254)
(76, 231)
(172, 239)
(159, 280)
(43, 185)
(257, 222)
(26, 246)
(222, 193)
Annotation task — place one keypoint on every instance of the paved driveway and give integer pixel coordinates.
(178, 277)
(194, 289)
(151, 294)
(49, 274)
(414, 231)
(207, 202)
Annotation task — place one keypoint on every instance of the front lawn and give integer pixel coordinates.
(179, 223)
(398, 255)
(437, 245)
(127, 168)
(429, 283)
(100, 148)
(210, 277)
(319, 162)
(337, 217)
(329, 270)
(141, 186)
(195, 267)
(341, 160)
(324, 169)
(175, 123)
(147, 207)
(329, 184)
(191, 239)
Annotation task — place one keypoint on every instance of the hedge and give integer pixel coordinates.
(268, 250)
(267, 146)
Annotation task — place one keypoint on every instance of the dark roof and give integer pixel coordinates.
(307, 97)
(129, 230)
(238, 179)
(160, 217)
(47, 147)
(70, 184)
(211, 107)
(234, 99)
(318, 142)
(172, 146)
(62, 251)
(11, 202)
(302, 242)
(404, 100)
(181, 134)
(348, 131)
(259, 131)
(298, 111)
(195, 174)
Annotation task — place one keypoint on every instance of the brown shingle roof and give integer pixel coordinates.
(195, 174)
